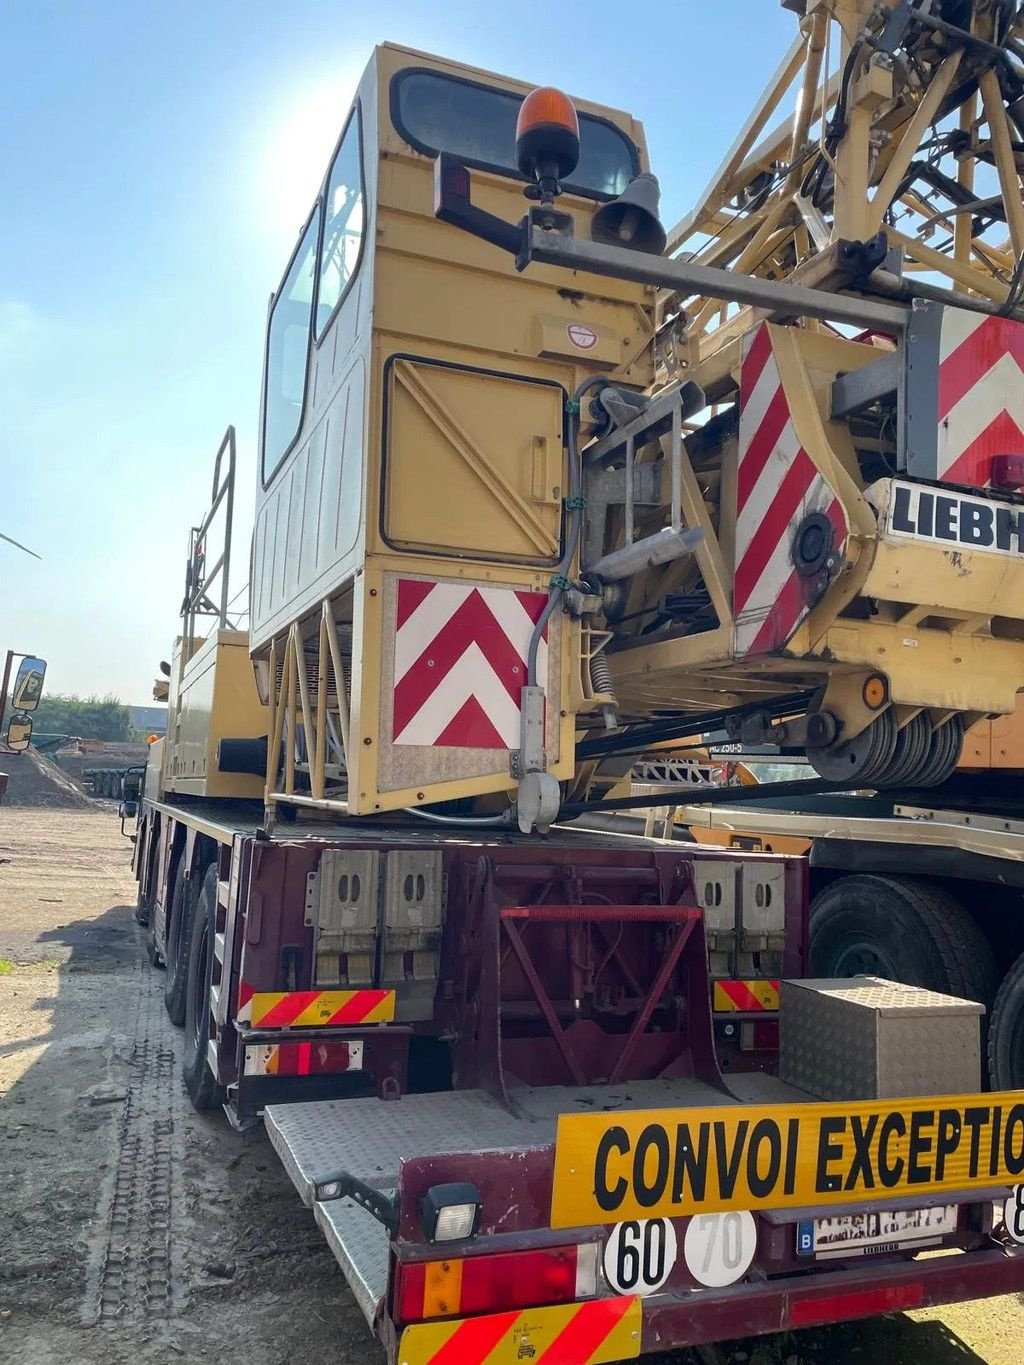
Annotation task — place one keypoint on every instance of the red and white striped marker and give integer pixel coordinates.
(981, 395)
(460, 663)
(777, 486)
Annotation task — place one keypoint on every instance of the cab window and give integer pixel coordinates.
(437, 113)
(288, 351)
(343, 225)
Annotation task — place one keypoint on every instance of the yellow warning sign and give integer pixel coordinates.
(664, 1163)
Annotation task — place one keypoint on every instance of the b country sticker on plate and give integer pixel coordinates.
(669, 1163)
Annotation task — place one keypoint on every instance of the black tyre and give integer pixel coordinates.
(152, 951)
(1006, 1032)
(200, 1082)
(141, 909)
(904, 930)
(175, 946)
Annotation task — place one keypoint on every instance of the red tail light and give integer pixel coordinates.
(463, 1286)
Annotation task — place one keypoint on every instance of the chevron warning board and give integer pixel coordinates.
(314, 1009)
(746, 997)
(570, 1334)
(777, 486)
(460, 663)
(981, 395)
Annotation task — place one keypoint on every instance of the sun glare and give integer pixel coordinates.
(296, 150)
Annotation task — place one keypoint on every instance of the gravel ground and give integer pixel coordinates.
(133, 1230)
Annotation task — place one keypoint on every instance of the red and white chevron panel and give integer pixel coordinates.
(777, 485)
(981, 395)
(460, 663)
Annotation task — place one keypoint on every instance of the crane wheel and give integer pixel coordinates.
(175, 947)
(901, 929)
(1006, 1032)
(200, 1082)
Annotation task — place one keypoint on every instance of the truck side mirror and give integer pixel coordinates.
(19, 733)
(28, 684)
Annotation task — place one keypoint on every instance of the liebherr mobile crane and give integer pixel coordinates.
(536, 493)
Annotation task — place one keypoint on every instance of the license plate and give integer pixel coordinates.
(874, 1234)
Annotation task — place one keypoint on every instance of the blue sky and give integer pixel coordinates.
(157, 161)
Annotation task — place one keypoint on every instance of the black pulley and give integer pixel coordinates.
(813, 545)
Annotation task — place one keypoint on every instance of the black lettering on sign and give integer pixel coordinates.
(828, 1151)
(1013, 1141)
(901, 518)
(729, 1169)
(792, 1146)
(890, 1171)
(948, 1139)
(925, 514)
(765, 1131)
(860, 1167)
(609, 1197)
(973, 1119)
(920, 1146)
(649, 1191)
(1007, 528)
(945, 518)
(993, 1150)
(690, 1167)
(975, 524)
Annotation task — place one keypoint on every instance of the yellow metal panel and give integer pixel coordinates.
(666, 1163)
(464, 451)
(215, 699)
(595, 1333)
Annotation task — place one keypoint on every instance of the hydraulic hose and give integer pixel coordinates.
(559, 580)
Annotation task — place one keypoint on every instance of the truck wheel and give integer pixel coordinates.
(175, 947)
(1006, 1032)
(200, 1082)
(903, 930)
(141, 909)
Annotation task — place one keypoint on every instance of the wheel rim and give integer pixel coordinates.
(861, 957)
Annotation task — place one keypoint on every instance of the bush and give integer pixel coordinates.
(86, 717)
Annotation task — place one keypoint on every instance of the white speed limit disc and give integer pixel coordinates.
(1013, 1214)
(719, 1247)
(639, 1255)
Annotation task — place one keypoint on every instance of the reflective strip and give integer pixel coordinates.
(316, 1009)
(296, 1059)
(594, 1333)
(746, 997)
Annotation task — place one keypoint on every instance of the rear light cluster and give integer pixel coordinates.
(458, 1286)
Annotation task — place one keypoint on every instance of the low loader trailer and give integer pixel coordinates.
(536, 496)
(529, 1136)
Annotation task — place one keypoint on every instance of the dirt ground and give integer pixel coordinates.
(132, 1229)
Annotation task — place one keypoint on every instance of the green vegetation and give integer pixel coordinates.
(86, 717)
(6, 966)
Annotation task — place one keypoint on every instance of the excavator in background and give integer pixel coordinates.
(541, 487)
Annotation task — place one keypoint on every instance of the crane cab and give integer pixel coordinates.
(412, 451)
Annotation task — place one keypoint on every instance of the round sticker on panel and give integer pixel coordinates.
(1013, 1214)
(719, 1247)
(639, 1256)
(581, 336)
